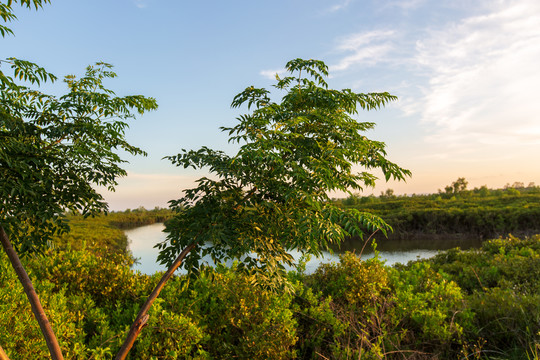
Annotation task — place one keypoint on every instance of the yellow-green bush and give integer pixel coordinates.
(20, 335)
(352, 281)
(240, 319)
(107, 279)
(358, 295)
(169, 335)
(318, 328)
(506, 318)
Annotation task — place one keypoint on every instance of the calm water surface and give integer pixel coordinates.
(143, 239)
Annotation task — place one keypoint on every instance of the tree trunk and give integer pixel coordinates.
(142, 317)
(3, 355)
(39, 313)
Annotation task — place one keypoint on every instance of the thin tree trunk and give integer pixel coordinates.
(142, 317)
(39, 313)
(3, 355)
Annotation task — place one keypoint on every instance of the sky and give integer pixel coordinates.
(466, 74)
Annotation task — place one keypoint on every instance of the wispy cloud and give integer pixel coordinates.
(141, 4)
(367, 48)
(472, 82)
(404, 4)
(483, 77)
(341, 5)
(357, 41)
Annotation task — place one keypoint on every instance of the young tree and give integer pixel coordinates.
(53, 151)
(272, 196)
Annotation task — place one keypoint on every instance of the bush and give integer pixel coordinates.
(169, 335)
(319, 330)
(483, 302)
(503, 282)
(239, 319)
(429, 304)
(505, 263)
(69, 316)
(108, 279)
(352, 319)
(351, 282)
(507, 319)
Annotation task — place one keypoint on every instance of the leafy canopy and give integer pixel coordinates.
(272, 196)
(55, 149)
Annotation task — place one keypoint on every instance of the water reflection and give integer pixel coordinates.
(143, 239)
(410, 244)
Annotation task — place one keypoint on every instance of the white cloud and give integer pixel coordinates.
(355, 42)
(342, 5)
(368, 55)
(141, 4)
(483, 78)
(405, 4)
(367, 48)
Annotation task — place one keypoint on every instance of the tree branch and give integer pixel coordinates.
(37, 309)
(3, 355)
(142, 317)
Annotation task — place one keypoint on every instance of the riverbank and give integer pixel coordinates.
(105, 233)
(481, 213)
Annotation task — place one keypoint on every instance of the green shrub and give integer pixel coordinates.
(429, 305)
(108, 279)
(169, 335)
(318, 328)
(470, 269)
(351, 282)
(508, 262)
(20, 334)
(484, 301)
(509, 321)
(355, 307)
(240, 320)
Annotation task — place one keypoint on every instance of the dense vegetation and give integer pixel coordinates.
(480, 212)
(475, 304)
(105, 232)
(268, 199)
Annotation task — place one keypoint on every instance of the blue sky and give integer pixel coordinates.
(466, 74)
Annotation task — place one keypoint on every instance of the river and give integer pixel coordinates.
(143, 239)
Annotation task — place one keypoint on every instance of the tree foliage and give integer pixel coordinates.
(272, 196)
(55, 149)
(457, 187)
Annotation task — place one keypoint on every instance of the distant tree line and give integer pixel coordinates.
(480, 212)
